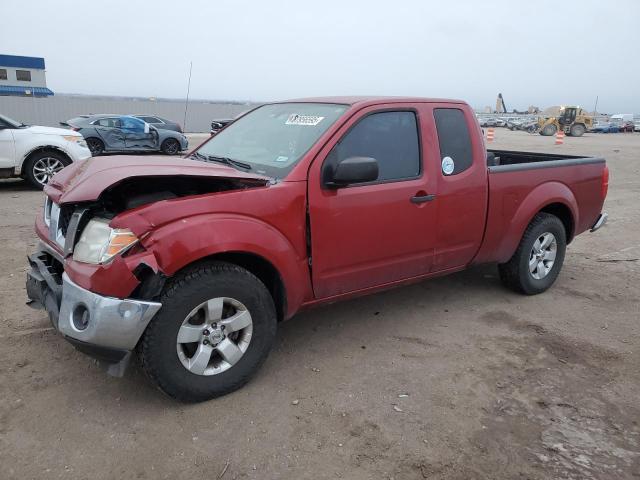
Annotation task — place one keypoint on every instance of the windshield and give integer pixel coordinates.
(271, 139)
(9, 121)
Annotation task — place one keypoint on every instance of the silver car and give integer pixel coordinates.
(125, 133)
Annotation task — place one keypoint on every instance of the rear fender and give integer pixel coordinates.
(540, 197)
(185, 241)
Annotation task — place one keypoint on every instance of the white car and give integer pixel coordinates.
(37, 153)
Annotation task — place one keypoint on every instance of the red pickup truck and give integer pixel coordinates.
(192, 262)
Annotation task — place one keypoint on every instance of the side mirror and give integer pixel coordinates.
(353, 170)
(147, 127)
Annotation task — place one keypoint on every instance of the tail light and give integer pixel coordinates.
(605, 182)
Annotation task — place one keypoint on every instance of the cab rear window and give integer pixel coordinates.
(454, 138)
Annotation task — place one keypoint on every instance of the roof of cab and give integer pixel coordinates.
(371, 100)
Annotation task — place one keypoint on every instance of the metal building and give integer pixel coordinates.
(23, 76)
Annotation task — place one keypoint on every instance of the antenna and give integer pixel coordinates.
(186, 103)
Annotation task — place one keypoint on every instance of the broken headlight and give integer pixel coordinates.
(99, 242)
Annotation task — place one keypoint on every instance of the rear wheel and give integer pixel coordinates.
(95, 145)
(577, 130)
(548, 130)
(170, 146)
(41, 166)
(215, 328)
(537, 262)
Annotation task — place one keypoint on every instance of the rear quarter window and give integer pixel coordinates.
(454, 138)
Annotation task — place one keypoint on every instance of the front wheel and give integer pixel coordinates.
(96, 146)
(577, 130)
(548, 130)
(170, 146)
(215, 328)
(40, 167)
(537, 262)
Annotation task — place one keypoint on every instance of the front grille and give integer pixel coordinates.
(52, 215)
(64, 218)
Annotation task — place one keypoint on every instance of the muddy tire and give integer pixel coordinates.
(548, 131)
(577, 130)
(40, 166)
(170, 146)
(538, 260)
(95, 145)
(216, 327)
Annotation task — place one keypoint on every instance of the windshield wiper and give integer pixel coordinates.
(229, 161)
(199, 156)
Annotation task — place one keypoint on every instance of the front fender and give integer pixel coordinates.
(515, 222)
(187, 240)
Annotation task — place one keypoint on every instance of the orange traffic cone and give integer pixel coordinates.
(489, 134)
(559, 137)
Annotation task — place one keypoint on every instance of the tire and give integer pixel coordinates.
(40, 166)
(95, 145)
(517, 275)
(577, 130)
(548, 130)
(170, 146)
(164, 357)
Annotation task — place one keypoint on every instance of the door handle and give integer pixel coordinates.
(422, 198)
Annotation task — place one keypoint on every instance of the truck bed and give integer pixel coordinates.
(508, 160)
(524, 182)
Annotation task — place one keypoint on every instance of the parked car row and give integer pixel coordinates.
(36, 153)
(615, 127)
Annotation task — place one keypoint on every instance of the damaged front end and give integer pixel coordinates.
(98, 282)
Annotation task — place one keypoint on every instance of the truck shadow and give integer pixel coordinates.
(16, 185)
(374, 310)
(322, 333)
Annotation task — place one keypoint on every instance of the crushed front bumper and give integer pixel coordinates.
(103, 327)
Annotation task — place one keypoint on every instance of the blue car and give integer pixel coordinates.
(606, 128)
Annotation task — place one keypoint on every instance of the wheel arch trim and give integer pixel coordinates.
(546, 197)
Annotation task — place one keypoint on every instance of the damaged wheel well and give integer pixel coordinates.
(261, 268)
(265, 271)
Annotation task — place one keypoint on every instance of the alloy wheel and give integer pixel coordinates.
(214, 336)
(543, 255)
(45, 168)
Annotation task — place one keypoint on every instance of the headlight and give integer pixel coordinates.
(76, 139)
(99, 242)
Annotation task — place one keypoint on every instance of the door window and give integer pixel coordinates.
(107, 122)
(132, 124)
(151, 119)
(454, 138)
(389, 137)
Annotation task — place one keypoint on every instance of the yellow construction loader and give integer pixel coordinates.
(573, 121)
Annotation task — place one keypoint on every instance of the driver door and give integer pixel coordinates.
(367, 235)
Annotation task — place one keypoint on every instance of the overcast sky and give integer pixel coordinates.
(536, 53)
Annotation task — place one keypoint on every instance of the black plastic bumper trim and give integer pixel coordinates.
(104, 354)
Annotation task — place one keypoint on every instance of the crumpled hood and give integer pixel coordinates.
(86, 180)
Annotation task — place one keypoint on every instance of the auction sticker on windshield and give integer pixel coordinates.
(308, 120)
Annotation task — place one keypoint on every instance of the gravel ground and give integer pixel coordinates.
(454, 378)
